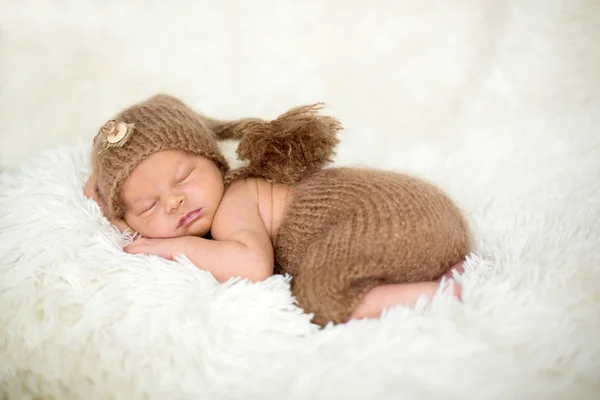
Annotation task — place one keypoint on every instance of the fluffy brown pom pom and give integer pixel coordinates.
(296, 144)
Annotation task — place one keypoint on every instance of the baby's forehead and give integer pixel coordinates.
(156, 168)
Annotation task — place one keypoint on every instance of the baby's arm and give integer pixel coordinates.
(238, 222)
(242, 246)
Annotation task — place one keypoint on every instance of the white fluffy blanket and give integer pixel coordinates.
(498, 102)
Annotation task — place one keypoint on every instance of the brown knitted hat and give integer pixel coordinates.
(159, 123)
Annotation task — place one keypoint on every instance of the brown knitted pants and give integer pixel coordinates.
(349, 230)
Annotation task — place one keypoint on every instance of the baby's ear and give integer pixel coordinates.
(296, 144)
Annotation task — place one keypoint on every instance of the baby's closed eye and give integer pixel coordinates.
(147, 209)
(185, 177)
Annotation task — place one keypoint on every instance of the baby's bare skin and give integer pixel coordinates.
(272, 199)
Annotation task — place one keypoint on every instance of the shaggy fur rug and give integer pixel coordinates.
(497, 102)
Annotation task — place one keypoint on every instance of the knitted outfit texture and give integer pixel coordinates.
(345, 231)
(348, 230)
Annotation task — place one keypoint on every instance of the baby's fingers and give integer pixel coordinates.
(157, 247)
(139, 246)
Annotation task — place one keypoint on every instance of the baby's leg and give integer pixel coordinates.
(386, 296)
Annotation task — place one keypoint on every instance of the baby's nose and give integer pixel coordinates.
(174, 202)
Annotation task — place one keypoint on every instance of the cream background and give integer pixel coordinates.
(498, 102)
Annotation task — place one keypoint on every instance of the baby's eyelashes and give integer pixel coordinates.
(148, 209)
(185, 176)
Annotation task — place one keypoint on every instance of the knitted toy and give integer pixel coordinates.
(346, 230)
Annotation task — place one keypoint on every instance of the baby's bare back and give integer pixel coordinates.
(271, 200)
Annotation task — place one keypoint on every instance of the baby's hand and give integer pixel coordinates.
(159, 247)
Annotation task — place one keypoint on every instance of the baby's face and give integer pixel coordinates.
(172, 194)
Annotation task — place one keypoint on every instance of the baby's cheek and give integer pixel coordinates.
(158, 227)
(155, 226)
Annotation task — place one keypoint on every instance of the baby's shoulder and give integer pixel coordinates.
(247, 187)
(253, 187)
(258, 195)
(249, 191)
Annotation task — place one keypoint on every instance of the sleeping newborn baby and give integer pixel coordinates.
(355, 241)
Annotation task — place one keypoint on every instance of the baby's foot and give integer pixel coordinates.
(449, 285)
(459, 268)
(456, 290)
